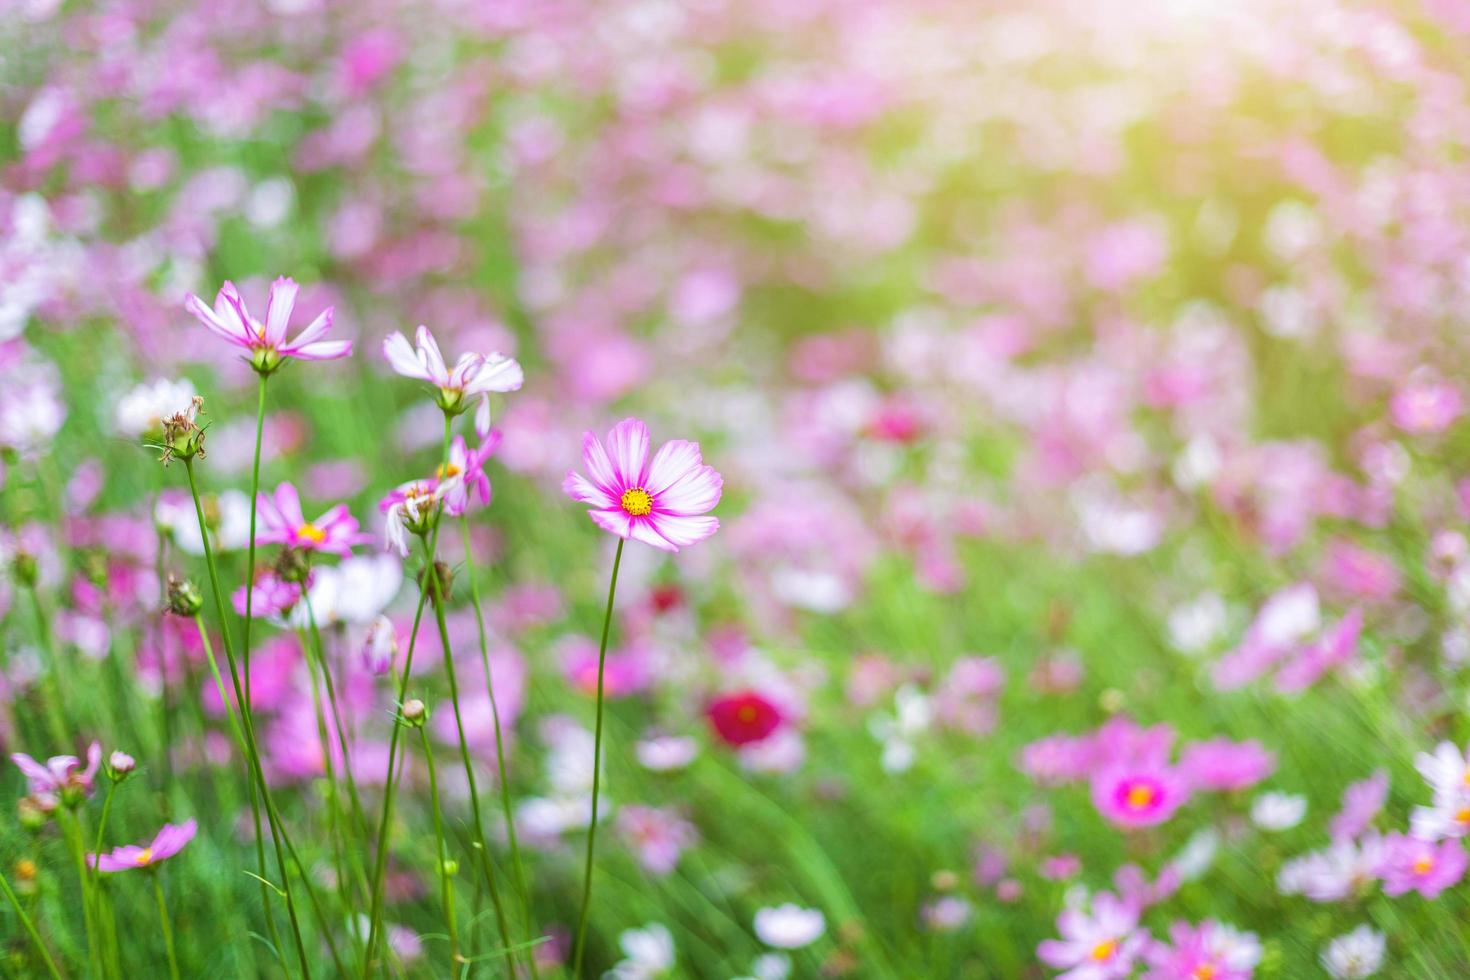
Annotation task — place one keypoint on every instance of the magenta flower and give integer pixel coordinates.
(1425, 407)
(1410, 864)
(1101, 945)
(1139, 795)
(658, 502)
(282, 522)
(1211, 951)
(266, 341)
(464, 479)
(1221, 764)
(62, 774)
(166, 843)
(473, 374)
(274, 596)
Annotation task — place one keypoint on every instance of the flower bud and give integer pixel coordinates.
(294, 565)
(184, 597)
(33, 813)
(265, 360)
(415, 713)
(183, 438)
(443, 579)
(26, 569)
(379, 646)
(451, 867)
(120, 765)
(25, 876)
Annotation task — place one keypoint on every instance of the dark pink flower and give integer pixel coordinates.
(62, 774)
(1139, 795)
(1209, 951)
(281, 522)
(658, 501)
(266, 341)
(166, 843)
(464, 480)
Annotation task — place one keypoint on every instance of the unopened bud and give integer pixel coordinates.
(379, 646)
(443, 579)
(25, 876)
(120, 765)
(415, 713)
(27, 570)
(294, 565)
(32, 813)
(451, 867)
(184, 597)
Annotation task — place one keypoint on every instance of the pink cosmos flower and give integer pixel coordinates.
(266, 341)
(658, 502)
(1425, 407)
(1410, 864)
(1101, 945)
(465, 478)
(1360, 804)
(656, 836)
(1221, 764)
(274, 596)
(473, 374)
(281, 522)
(407, 509)
(1210, 951)
(60, 774)
(166, 843)
(1139, 795)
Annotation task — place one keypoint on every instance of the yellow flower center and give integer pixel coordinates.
(1423, 864)
(1466, 777)
(1205, 971)
(1139, 796)
(144, 856)
(311, 532)
(1104, 950)
(448, 470)
(1462, 815)
(746, 713)
(637, 502)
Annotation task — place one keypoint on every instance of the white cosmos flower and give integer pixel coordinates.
(1278, 811)
(355, 591)
(142, 410)
(1354, 955)
(649, 952)
(789, 926)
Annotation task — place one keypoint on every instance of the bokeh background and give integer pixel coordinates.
(1068, 364)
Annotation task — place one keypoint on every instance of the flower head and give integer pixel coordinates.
(789, 926)
(62, 777)
(165, 844)
(743, 717)
(282, 522)
(1097, 944)
(1139, 795)
(266, 341)
(1211, 951)
(658, 501)
(1410, 864)
(408, 510)
(464, 478)
(473, 374)
(1354, 955)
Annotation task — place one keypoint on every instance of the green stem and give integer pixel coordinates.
(446, 889)
(389, 787)
(54, 708)
(74, 839)
(334, 811)
(97, 895)
(248, 729)
(250, 559)
(168, 929)
(30, 928)
(358, 815)
(469, 772)
(505, 790)
(596, 770)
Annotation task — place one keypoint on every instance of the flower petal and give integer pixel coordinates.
(278, 310)
(497, 373)
(225, 327)
(401, 357)
(627, 444)
(647, 532)
(681, 532)
(429, 354)
(322, 350)
(615, 521)
(581, 489)
(599, 466)
(314, 331)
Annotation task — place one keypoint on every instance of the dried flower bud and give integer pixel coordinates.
(444, 576)
(25, 876)
(415, 713)
(379, 646)
(120, 765)
(183, 438)
(184, 597)
(294, 565)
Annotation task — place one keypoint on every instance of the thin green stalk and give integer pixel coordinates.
(502, 772)
(168, 929)
(596, 770)
(250, 559)
(334, 812)
(446, 888)
(389, 787)
(358, 815)
(97, 884)
(248, 729)
(464, 752)
(30, 928)
(54, 707)
(74, 840)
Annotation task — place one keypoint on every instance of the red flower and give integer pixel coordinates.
(743, 717)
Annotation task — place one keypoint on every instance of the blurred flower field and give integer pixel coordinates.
(735, 489)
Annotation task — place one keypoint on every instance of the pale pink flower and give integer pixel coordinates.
(473, 374)
(166, 843)
(1425, 407)
(60, 774)
(1102, 944)
(660, 501)
(1410, 864)
(266, 341)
